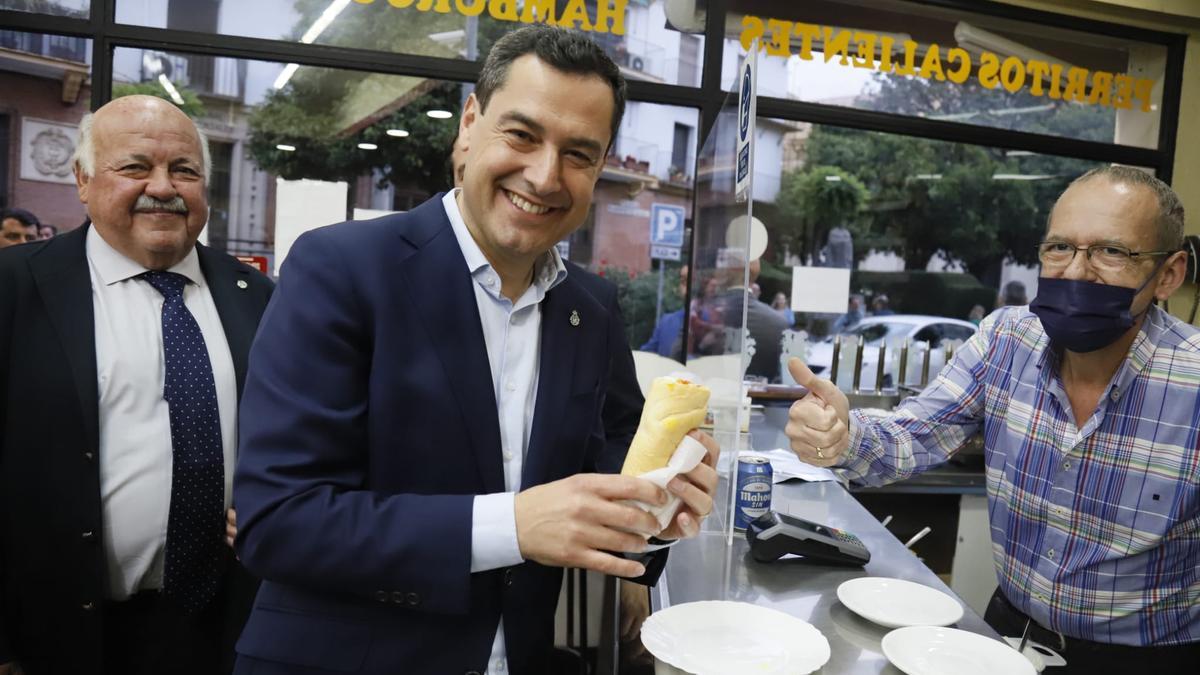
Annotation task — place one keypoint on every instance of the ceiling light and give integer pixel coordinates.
(331, 12)
(288, 71)
(1022, 176)
(171, 90)
(367, 146)
(314, 31)
(397, 133)
(440, 114)
(285, 147)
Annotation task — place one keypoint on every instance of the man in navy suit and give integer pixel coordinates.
(101, 444)
(427, 398)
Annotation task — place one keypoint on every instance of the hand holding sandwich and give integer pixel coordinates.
(578, 521)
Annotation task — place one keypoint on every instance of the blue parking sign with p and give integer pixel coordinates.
(666, 225)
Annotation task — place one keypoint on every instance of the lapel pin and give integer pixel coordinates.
(574, 318)
(242, 284)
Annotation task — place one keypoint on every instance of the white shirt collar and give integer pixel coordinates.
(549, 268)
(114, 266)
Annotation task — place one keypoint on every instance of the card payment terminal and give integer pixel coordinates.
(774, 534)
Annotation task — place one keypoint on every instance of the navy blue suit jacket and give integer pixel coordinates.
(369, 424)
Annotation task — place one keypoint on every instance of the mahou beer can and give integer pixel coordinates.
(753, 490)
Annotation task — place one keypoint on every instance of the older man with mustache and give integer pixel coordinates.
(124, 350)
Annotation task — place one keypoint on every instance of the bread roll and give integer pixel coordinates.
(673, 408)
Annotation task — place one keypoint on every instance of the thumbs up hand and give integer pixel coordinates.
(818, 424)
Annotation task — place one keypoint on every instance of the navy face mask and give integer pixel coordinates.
(1083, 316)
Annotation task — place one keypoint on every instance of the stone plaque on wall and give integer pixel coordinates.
(46, 150)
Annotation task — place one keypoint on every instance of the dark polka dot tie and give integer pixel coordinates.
(196, 520)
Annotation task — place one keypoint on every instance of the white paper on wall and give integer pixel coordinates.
(303, 205)
(820, 289)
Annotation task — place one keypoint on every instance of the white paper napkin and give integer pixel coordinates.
(688, 454)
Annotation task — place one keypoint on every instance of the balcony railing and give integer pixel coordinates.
(53, 46)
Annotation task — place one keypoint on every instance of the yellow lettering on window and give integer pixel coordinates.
(931, 65)
(886, 44)
(575, 16)
(1037, 73)
(807, 32)
(503, 10)
(963, 70)
(1142, 90)
(1101, 88)
(1123, 94)
(989, 68)
(610, 17)
(1076, 84)
(837, 45)
(865, 43)
(538, 11)
(1012, 74)
(1056, 81)
(400, 4)
(752, 29)
(780, 43)
(910, 59)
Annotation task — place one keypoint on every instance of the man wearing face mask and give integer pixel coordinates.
(1089, 406)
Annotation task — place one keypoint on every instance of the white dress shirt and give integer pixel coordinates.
(512, 332)
(135, 428)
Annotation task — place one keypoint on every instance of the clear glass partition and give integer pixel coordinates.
(719, 348)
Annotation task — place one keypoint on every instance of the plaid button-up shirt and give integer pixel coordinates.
(1095, 531)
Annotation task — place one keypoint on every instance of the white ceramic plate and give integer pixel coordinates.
(718, 638)
(934, 650)
(896, 603)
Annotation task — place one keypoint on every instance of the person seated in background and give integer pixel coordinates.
(1013, 294)
(784, 308)
(1088, 402)
(666, 339)
(976, 314)
(47, 231)
(17, 226)
(880, 306)
(854, 314)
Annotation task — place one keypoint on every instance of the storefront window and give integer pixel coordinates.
(46, 84)
(946, 64)
(934, 233)
(635, 33)
(335, 144)
(72, 8)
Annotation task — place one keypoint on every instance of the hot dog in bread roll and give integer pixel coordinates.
(673, 408)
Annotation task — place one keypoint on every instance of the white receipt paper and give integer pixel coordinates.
(688, 454)
(785, 465)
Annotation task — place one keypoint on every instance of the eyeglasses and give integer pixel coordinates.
(1102, 257)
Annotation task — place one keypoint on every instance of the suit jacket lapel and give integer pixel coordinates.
(440, 288)
(239, 318)
(556, 371)
(64, 281)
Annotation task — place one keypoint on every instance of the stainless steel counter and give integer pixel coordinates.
(704, 568)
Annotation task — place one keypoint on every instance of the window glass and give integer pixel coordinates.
(935, 234)
(79, 9)
(947, 64)
(637, 34)
(279, 153)
(46, 81)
